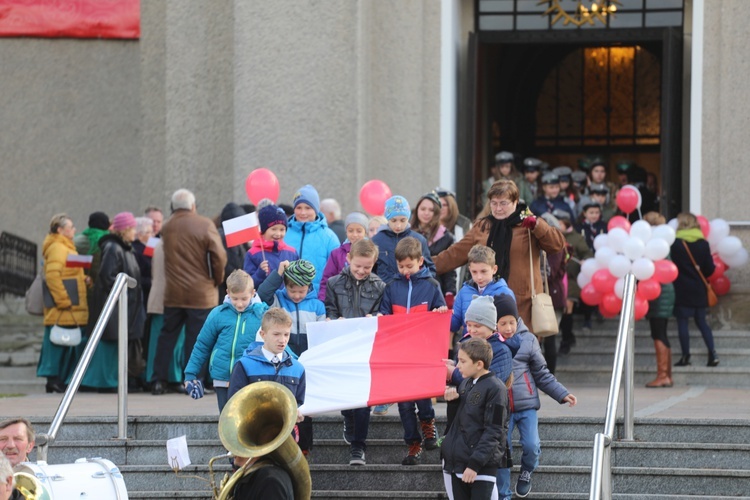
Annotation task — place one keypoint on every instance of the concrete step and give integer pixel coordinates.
(645, 357)
(593, 374)
(724, 339)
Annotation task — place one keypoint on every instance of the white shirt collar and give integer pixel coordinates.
(269, 355)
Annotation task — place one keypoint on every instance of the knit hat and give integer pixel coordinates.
(122, 221)
(505, 305)
(357, 218)
(396, 206)
(300, 272)
(432, 196)
(482, 310)
(99, 220)
(309, 195)
(269, 216)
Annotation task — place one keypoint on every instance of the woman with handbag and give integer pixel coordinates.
(65, 303)
(692, 255)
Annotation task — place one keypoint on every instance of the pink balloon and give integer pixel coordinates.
(627, 200)
(603, 281)
(373, 196)
(705, 226)
(721, 285)
(618, 221)
(649, 289)
(590, 296)
(721, 268)
(665, 271)
(610, 305)
(641, 307)
(262, 183)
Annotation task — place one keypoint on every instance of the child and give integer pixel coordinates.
(598, 175)
(375, 225)
(528, 187)
(355, 293)
(551, 199)
(414, 290)
(268, 250)
(356, 229)
(228, 330)
(599, 194)
(474, 447)
(592, 226)
(529, 371)
(270, 361)
(397, 213)
(309, 233)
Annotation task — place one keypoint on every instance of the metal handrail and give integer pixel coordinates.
(601, 476)
(118, 293)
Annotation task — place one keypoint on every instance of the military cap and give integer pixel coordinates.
(584, 164)
(545, 166)
(532, 164)
(563, 173)
(624, 165)
(579, 176)
(550, 178)
(561, 214)
(503, 157)
(595, 162)
(591, 204)
(598, 188)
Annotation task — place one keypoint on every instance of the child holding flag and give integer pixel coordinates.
(268, 250)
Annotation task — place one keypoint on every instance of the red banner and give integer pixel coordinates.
(71, 18)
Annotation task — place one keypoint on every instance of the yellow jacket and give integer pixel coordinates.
(55, 251)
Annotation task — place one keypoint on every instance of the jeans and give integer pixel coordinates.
(409, 418)
(683, 314)
(361, 419)
(528, 431)
(222, 394)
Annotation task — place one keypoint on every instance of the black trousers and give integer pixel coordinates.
(659, 330)
(174, 319)
(478, 490)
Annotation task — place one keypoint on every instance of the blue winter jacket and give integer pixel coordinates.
(543, 205)
(386, 267)
(417, 293)
(254, 367)
(272, 251)
(502, 358)
(465, 294)
(314, 241)
(222, 340)
(310, 309)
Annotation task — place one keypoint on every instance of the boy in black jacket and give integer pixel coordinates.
(472, 449)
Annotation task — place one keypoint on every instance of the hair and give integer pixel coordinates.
(654, 218)
(143, 223)
(30, 435)
(6, 470)
(57, 221)
(275, 316)
(481, 254)
(379, 219)
(504, 189)
(478, 350)
(239, 281)
(686, 220)
(329, 205)
(450, 220)
(364, 248)
(152, 208)
(408, 248)
(431, 228)
(182, 199)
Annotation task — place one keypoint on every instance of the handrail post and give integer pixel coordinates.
(629, 396)
(122, 355)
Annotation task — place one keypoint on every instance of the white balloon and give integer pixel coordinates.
(617, 238)
(603, 256)
(600, 241)
(641, 230)
(583, 279)
(619, 266)
(589, 267)
(620, 287)
(719, 229)
(673, 224)
(643, 268)
(739, 259)
(633, 248)
(656, 249)
(664, 232)
(728, 247)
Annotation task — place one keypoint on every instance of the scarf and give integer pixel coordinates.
(94, 235)
(500, 238)
(690, 235)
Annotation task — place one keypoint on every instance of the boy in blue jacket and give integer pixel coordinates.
(414, 290)
(267, 251)
(228, 330)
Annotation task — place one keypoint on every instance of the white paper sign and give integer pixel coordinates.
(177, 452)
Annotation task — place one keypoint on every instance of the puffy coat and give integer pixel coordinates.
(55, 251)
(443, 240)
(417, 293)
(223, 339)
(254, 367)
(690, 291)
(386, 267)
(663, 305)
(466, 294)
(336, 263)
(235, 254)
(542, 205)
(346, 297)
(530, 373)
(314, 241)
(274, 252)
(502, 357)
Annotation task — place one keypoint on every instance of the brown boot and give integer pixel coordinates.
(663, 362)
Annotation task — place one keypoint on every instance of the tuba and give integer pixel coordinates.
(257, 422)
(30, 487)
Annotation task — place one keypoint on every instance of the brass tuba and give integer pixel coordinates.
(257, 422)
(30, 487)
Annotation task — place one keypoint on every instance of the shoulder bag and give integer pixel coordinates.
(35, 296)
(64, 335)
(710, 294)
(543, 319)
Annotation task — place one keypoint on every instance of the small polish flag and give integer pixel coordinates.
(150, 245)
(241, 229)
(75, 260)
(354, 363)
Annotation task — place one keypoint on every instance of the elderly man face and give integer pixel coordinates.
(15, 444)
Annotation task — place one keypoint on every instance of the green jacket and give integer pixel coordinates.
(579, 251)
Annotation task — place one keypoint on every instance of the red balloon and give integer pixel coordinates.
(611, 304)
(603, 281)
(373, 196)
(590, 296)
(721, 268)
(262, 183)
(721, 285)
(628, 200)
(606, 313)
(649, 289)
(665, 271)
(618, 221)
(641, 306)
(705, 226)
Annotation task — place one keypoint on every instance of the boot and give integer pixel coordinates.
(663, 360)
(684, 360)
(713, 359)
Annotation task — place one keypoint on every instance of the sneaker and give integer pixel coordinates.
(357, 456)
(414, 456)
(523, 485)
(381, 409)
(430, 434)
(349, 429)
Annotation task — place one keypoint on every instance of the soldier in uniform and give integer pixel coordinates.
(528, 187)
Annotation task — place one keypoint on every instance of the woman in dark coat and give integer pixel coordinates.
(691, 299)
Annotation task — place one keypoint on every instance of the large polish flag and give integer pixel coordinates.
(74, 260)
(241, 229)
(353, 363)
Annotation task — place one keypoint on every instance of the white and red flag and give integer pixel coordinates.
(360, 362)
(150, 245)
(75, 260)
(241, 229)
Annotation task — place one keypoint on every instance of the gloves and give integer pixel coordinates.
(195, 389)
(449, 300)
(529, 222)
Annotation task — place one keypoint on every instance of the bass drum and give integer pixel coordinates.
(93, 478)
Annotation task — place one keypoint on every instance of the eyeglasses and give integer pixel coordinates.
(503, 204)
